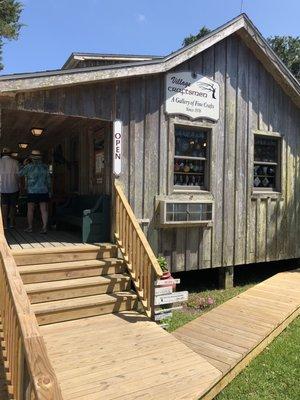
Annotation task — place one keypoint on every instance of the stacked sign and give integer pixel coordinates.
(164, 295)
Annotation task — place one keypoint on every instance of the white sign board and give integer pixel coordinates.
(117, 147)
(165, 282)
(164, 310)
(171, 298)
(160, 317)
(163, 290)
(192, 95)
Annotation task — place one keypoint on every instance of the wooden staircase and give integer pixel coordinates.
(75, 282)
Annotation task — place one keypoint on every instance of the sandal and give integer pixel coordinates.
(28, 230)
(44, 231)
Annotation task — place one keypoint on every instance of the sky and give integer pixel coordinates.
(53, 29)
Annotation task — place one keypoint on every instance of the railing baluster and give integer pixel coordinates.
(144, 267)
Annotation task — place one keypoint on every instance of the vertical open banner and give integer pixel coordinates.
(117, 147)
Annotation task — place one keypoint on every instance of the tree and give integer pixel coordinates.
(288, 50)
(192, 38)
(10, 11)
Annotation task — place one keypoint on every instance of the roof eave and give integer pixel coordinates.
(240, 25)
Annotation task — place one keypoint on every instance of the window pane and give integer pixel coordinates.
(265, 176)
(190, 142)
(189, 172)
(266, 149)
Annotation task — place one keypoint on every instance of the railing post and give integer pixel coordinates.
(26, 390)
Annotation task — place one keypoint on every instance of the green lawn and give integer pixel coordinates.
(274, 374)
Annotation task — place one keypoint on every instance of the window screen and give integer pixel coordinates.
(185, 212)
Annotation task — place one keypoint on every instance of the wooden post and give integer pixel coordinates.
(226, 275)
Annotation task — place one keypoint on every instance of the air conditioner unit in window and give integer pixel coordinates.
(185, 213)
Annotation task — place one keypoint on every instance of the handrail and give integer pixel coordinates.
(135, 248)
(29, 370)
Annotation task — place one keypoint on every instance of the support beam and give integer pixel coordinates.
(226, 275)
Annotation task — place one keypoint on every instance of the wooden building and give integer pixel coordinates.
(210, 147)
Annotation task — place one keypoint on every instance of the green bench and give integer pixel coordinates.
(89, 212)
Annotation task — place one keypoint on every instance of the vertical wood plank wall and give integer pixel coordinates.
(246, 229)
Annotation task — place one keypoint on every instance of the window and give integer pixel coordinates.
(191, 158)
(185, 213)
(266, 163)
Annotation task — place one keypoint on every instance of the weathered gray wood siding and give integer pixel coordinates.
(246, 229)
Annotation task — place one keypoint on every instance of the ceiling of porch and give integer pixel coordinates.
(16, 128)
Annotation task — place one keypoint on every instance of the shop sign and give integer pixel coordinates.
(192, 95)
(117, 147)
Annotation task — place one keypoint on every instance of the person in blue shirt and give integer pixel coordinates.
(38, 184)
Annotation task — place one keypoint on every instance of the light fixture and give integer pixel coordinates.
(23, 146)
(37, 131)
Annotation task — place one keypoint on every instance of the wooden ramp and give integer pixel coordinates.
(231, 335)
(124, 356)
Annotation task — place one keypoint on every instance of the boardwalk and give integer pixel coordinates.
(231, 335)
(124, 356)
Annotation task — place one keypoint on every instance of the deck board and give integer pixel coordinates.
(124, 355)
(17, 239)
(231, 335)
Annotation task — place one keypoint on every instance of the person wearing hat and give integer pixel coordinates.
(38, 184)
(9, 187)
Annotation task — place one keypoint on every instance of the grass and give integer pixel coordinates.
(198, 304)
(274, 374)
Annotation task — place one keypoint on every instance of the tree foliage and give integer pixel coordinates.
(192, 38)
(288, 50)
(10, 11)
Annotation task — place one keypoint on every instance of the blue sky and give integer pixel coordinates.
(55, 28)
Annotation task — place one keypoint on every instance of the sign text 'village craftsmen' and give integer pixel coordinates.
(192, 95)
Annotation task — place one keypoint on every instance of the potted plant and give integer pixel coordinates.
(164, 266)
(166, 273)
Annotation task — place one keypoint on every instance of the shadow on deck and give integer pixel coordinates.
(17, 239)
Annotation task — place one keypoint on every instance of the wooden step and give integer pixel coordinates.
(81, 307)
(72, 288)
(64, 254)
(70, 270)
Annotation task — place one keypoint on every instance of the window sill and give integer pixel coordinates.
(192, 192)
(267, 195)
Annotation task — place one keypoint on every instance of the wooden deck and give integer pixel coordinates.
(17, 239)
(234, 333)
(124, 356)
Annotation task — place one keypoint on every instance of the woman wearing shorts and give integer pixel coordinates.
(38, 184)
